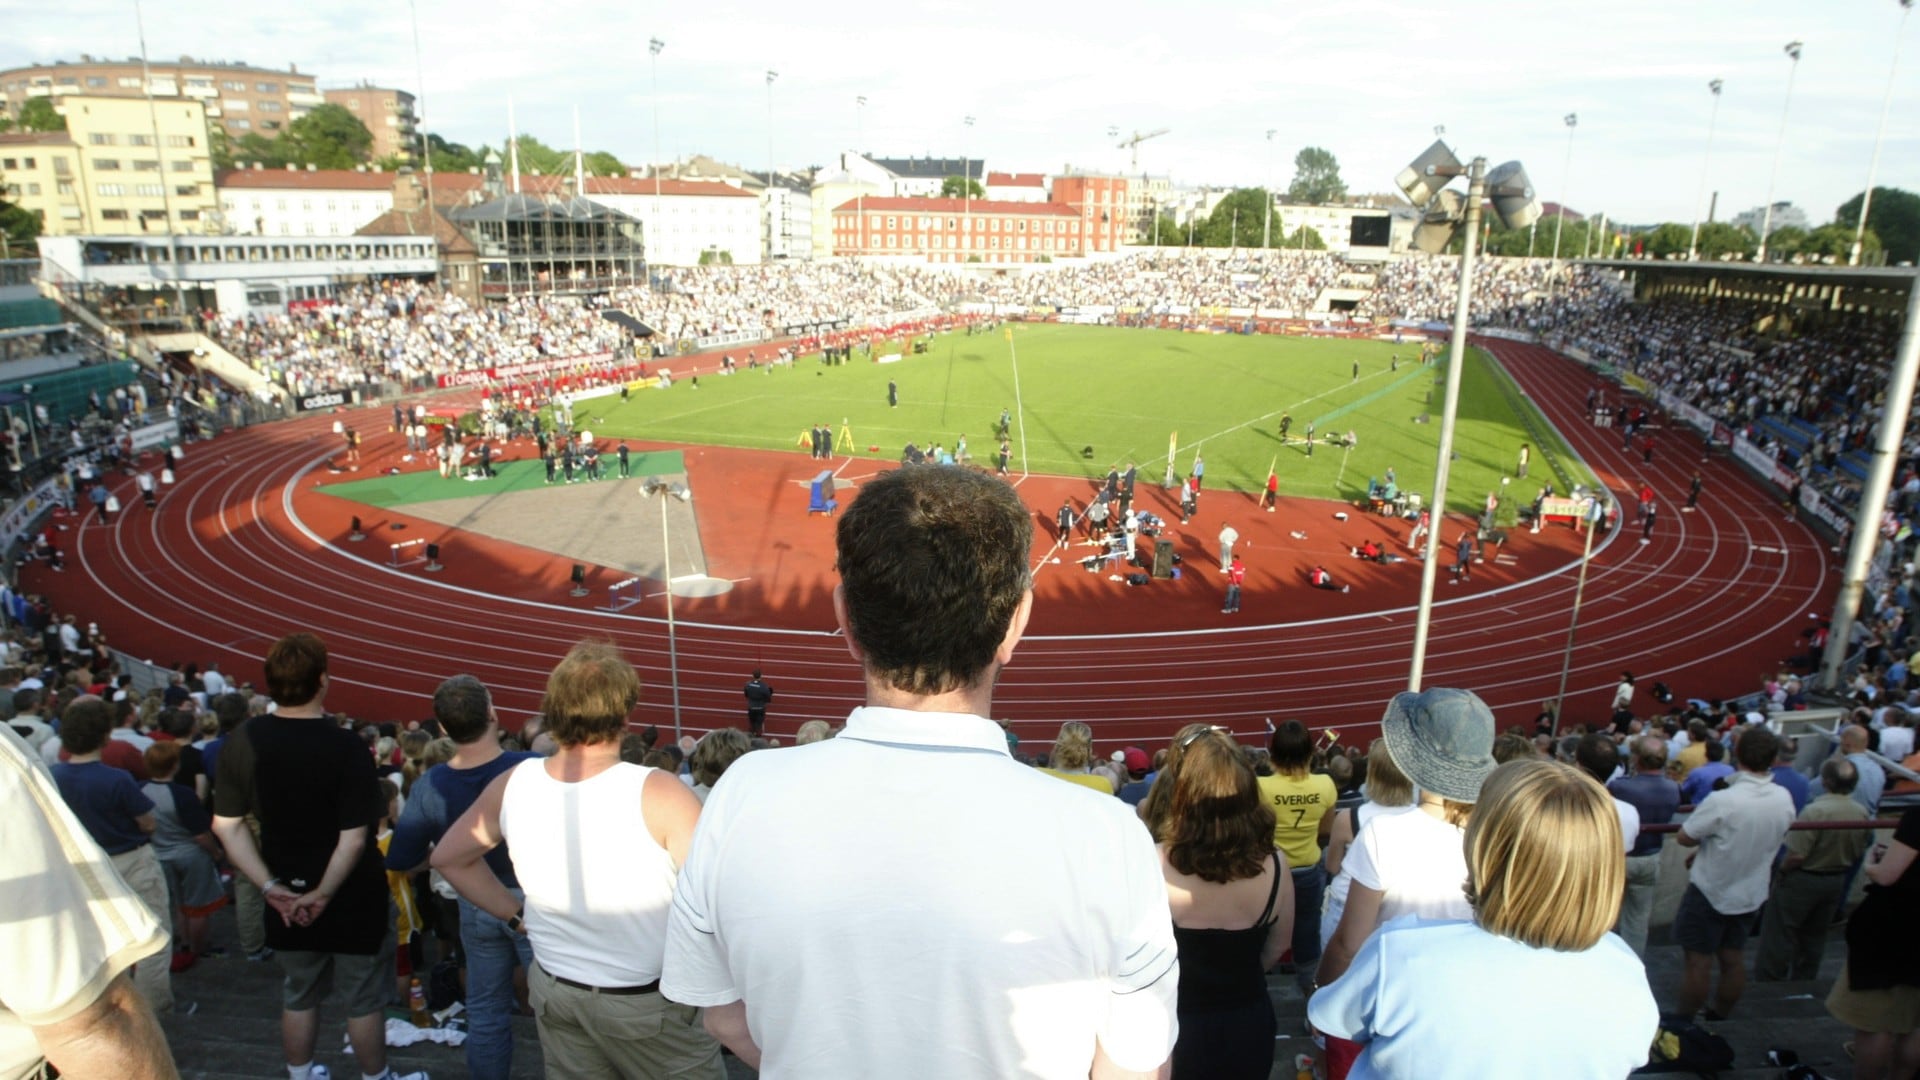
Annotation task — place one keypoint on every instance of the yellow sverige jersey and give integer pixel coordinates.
(1298, 805)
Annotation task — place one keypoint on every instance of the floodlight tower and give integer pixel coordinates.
(1792, 49)
(1713, 119)
(1443, 214)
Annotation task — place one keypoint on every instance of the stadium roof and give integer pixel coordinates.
(953, 206)
(464, 183)
(537, 208)
(929, 168)
(1848, 277)
(304, 179)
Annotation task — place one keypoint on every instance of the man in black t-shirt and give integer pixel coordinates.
(758, 695)
(311, 786)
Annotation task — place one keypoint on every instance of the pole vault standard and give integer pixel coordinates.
(1018, 409)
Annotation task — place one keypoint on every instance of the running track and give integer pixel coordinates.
(227, 565)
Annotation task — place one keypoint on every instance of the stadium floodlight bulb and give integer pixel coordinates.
(1427, 174)
(1793, 50)
(1437, 226)
(1716, 86)
(1512, 195)
(654, 45)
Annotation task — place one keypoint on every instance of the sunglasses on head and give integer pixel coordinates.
(1193, 735)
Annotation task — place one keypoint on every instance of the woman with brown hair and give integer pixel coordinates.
(1546, 869)
(1232, 902)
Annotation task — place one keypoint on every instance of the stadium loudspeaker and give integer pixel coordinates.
(1512, 196)
(1428, 173)
(579, 580)
(433, 558)
(357, 534)
(1163, 559)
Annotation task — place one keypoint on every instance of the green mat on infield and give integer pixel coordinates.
(429, 486)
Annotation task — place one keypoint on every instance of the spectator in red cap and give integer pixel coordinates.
(1140, 773)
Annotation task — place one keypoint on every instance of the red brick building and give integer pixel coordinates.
(1101, 204)
(959, 230)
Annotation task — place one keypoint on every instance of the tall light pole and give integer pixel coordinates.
(860, 191)
(771, 75)
(1443, 214)
(966, 181)
(1266, 234)
(1713, 120)
(1566, 177)
(160, 167)
(659, 485)
(420, 79)
(1792, 50)
(1866, 200)
(654, 45)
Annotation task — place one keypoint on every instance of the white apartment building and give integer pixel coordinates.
(686, 219)
(301, 202)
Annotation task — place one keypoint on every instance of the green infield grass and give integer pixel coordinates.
(404, 489)
(1125, 393)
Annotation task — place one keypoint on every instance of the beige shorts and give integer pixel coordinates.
(1895, 1010)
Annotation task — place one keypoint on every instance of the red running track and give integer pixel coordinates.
(242, 552)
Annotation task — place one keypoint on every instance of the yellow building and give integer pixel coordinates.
(121, 167)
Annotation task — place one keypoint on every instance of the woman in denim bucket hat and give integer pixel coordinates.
(1415, 864)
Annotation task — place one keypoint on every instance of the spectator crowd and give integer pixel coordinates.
(822, 910)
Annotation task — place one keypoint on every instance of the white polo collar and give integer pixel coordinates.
(931, 730)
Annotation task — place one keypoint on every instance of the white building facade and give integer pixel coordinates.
(786, 207)
(301, 202)
(688, 219)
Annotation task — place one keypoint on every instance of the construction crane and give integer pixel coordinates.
(1138, 138)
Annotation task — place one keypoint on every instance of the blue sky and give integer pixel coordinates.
(1367, 79)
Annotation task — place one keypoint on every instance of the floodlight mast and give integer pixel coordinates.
(1450, 408)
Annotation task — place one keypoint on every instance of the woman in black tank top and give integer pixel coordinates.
(1232, 902)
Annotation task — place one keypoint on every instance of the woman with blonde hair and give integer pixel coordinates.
(1388, 792)
(1072, 758)
(1232, 902)
(1546, 868)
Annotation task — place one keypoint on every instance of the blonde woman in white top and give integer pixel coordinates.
(598, 888)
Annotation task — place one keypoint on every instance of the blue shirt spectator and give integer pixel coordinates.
(107, 801)
(442, 794)
(1797, 786)
(1699, 782)
(1656, 798)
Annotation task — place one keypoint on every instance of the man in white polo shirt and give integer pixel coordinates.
(1737, 831)
(840, 914)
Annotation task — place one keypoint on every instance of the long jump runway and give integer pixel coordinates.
(242, 550)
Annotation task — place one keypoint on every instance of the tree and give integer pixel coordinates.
(1316, 178)
(254, 147)
(18, 227)
(1669, 240)
(329, 137)
(1786, 241)
(1238, 221)
(38, 115)
(1894, 217)
(219, 146)
(956, 187)
(1719, 239)
(451, 156)
(1306, 238)
(1835, 242)
(602, 163)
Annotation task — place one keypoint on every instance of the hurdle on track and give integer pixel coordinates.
(617, 602)
(394, 550)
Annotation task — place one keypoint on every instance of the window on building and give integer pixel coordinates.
(130, 82)
(306, 204)
(100, 138)
(890, 223)
(234, 85)
(298, 88)
(236, 104)
(13, 190)
(180, 166)
(64, 187)
(33, 189)
(143, 165)
(96, 81)
(270, 125)
(267, 87)
(189, 215)
(153, 215)
(113, 215)
(139, 140)
(241, 124)
(188, 190)
(9, 163)
(269, 106)
(149, 191)
(179, 140)
(107, 164)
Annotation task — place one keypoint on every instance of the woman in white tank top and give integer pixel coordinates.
(596, 845)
